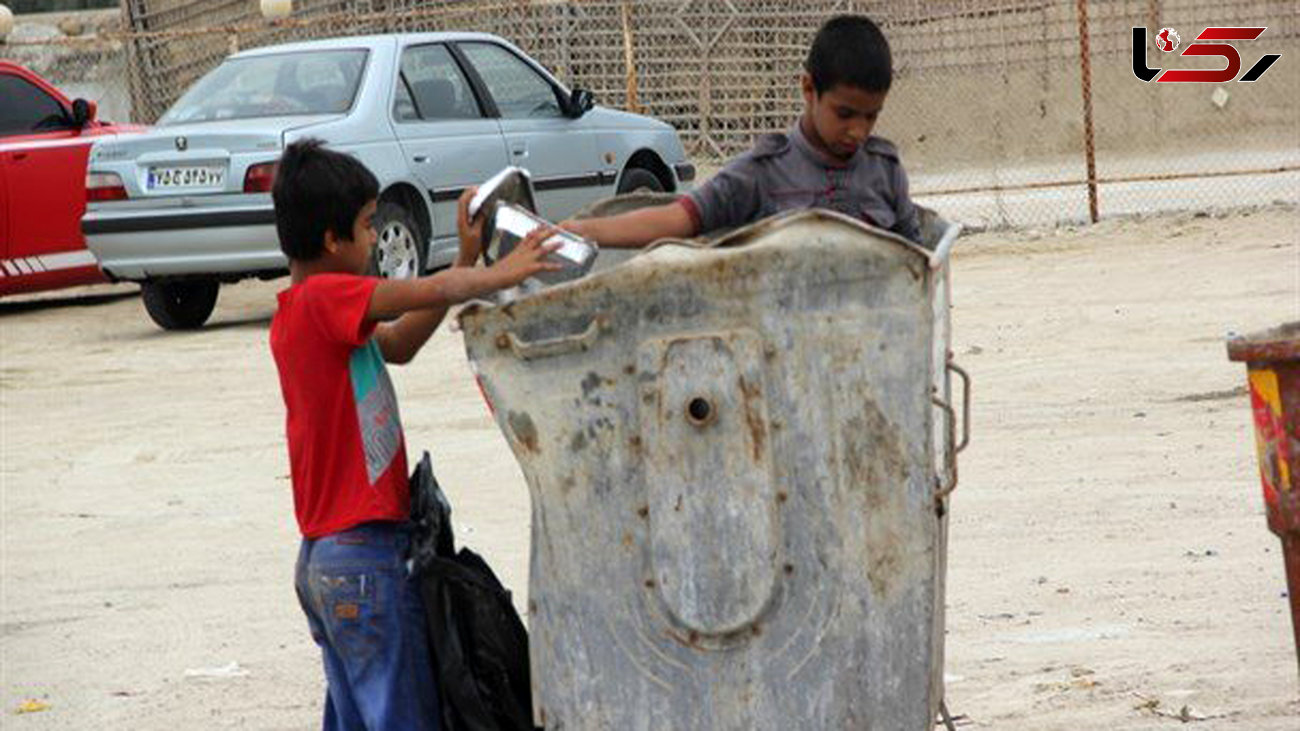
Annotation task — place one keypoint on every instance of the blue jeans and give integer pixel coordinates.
(365, 612)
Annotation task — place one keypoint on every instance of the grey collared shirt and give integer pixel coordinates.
(784, 172)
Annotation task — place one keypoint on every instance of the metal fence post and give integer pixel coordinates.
(629, 60)
(1089, 141)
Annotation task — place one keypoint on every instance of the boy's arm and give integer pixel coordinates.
(635, 229)
(908, 223)
(729, 199)
(401, 339)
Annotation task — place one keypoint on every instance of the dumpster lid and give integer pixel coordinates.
(1279, 343)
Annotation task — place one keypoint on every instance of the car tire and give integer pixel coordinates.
(635, 179)
(180, 304)
(400, 248)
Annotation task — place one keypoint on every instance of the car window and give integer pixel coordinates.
(302, 82)
(432, 86)
(516, 87)
(316, 72)
(27, 108)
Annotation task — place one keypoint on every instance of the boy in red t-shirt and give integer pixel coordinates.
(333, 331)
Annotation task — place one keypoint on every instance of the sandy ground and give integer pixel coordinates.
(1109, 559)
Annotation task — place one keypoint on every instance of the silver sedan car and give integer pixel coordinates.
(187, 206)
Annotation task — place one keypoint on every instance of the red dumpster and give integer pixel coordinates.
(1272, 362)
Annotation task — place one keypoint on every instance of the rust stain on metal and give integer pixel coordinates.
(590, 383)
(579, 442)
(691, 641)
(873, 454)
(753, 419)
(521, 425)
(875, 464)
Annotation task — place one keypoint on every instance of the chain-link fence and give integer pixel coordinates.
(988, 104)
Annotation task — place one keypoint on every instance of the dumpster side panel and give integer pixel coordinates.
(768, 561)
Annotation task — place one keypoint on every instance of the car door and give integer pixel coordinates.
(445, 134)
(4, 211)
(558, 150)
(45, 170)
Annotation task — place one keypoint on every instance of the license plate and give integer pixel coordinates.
(191, 176)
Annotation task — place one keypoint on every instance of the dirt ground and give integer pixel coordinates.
(1109, 562)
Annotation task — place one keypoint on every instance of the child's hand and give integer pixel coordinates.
(528, 258)
(471, 232)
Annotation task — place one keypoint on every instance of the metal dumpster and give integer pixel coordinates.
(738, 456)
(1273, 369)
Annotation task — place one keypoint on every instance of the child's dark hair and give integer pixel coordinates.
(850, 50)
(318, 190)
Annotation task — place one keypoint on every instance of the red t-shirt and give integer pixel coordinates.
(347, 453)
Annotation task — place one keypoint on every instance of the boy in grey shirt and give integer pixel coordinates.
(828, 159)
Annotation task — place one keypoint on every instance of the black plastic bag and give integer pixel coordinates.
(479, 644)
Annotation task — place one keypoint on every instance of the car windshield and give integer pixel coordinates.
(312, 82)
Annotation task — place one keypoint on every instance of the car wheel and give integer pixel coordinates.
(400, 249)
(181, 304)
(639, 179)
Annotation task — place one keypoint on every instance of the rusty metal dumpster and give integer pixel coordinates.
(1273, 369)
(738, 456)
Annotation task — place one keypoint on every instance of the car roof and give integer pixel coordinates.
(372, 41)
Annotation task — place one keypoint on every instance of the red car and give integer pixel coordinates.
(44, 142)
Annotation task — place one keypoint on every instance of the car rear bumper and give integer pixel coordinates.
(141, 244)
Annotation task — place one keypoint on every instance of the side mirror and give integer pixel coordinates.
(83, 112)
(580, 102)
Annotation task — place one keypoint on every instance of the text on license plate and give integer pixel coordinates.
(209, 176)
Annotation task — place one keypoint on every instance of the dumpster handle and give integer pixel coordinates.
(941, 493)
(954, 446)
(557, 346)
(965, 402)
